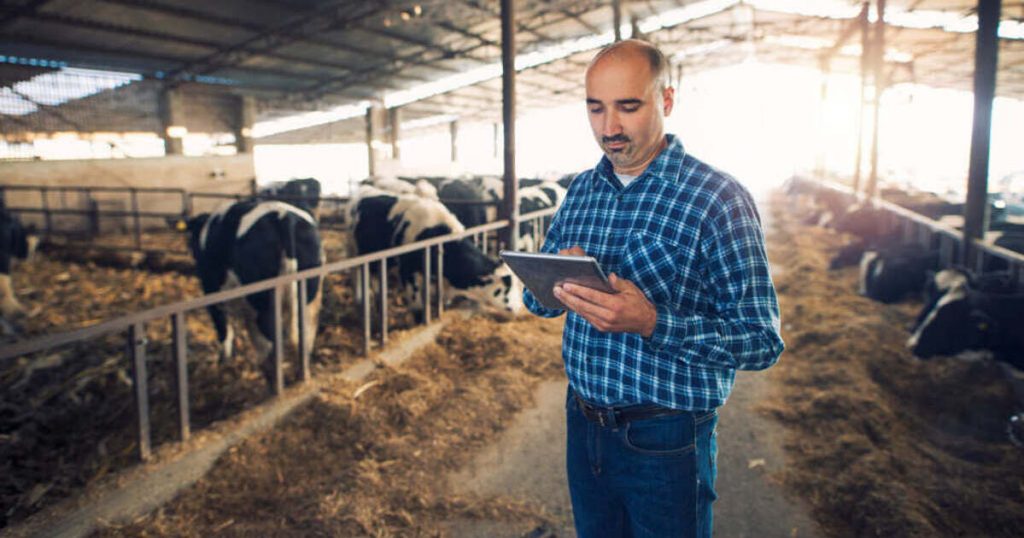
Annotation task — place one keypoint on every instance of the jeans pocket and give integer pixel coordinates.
(671, 435)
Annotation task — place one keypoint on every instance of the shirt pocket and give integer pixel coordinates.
(650, 263)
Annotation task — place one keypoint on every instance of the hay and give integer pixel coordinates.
(880, 443)
(371, 465)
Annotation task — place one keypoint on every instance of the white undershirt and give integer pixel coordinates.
(625, 179)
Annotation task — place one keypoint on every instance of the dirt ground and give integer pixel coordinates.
(877, 442)
(371, 460)
(880, 443)
(67, 415)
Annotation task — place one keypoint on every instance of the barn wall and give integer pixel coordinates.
(219, 174)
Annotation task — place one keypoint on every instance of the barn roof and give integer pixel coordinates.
(304, 55)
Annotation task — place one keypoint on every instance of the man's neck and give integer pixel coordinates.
(639, 169)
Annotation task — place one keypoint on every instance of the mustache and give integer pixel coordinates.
(616, 138)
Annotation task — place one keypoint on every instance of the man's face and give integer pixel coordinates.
(627, 110)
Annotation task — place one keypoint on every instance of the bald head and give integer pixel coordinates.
(628, 99)
(641, 50)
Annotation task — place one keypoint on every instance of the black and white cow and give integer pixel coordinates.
(941, 282)
(541, 196)
(967, 319)
(16, 242)
(249, 241)
(466, 200)
(418, 187)
(888, 275)
(303, 193)
(384, 220)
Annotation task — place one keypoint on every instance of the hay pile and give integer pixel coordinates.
(368, 460)
(880, 443)
(67, 416)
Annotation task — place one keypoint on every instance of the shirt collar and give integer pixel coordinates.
(666, 165)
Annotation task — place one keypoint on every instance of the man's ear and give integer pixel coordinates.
(668, 98)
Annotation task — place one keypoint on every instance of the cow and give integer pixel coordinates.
(302, 193)
(541, 196)
(383, 220)
(888, 275)
(467, 200)
(254, 240)
(938, 283)
(420, 187)
(863, 220)
(968, 319)
(16, 242)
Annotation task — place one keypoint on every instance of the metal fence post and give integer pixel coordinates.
(303, 317)
(365, 268)
(137, 355)
(426, 285)
(136, 223)
(180, 331)
(440, 280)
(383, 301)
(278, 344)
(48, 218)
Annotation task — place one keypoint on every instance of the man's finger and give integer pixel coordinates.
(619, 283)
(589, 294)
(579, 304)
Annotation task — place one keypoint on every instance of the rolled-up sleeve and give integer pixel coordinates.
(743, 330)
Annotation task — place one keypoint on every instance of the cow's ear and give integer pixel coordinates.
(178, 224)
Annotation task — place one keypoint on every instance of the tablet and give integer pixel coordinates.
(541, 272)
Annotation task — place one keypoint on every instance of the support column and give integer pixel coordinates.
(865, 51)
(453, 129)
(878, 76)
(497, 138)
(243, 124)
(375, 129)
(172, 121)
(986, 56)
(617, 18)
(819, 160)
(394, 133)
(371, 158)
(510, 207)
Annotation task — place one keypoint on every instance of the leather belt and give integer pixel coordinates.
(617, 416)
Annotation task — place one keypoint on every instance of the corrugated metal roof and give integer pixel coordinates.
(297, 55)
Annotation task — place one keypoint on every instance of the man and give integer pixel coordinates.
(648, 366)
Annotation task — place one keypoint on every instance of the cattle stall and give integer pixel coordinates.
(931, 234)
(151, 372)
(138, 220)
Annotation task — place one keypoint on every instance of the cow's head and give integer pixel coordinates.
(951, 326)
(498, 290)
(194, 228)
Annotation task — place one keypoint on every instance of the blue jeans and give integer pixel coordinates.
(647, 478)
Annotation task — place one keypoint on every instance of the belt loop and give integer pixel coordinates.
(607, 416)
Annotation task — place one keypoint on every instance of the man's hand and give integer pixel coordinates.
(627, 311)
(572, 251)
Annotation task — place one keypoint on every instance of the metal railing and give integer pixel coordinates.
(931, 234)
(88, 207)
(133, 325)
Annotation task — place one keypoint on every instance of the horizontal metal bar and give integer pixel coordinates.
(76, 188)
(122, 323)
(102, 213)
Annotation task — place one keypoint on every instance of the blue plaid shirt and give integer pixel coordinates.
(690, 237)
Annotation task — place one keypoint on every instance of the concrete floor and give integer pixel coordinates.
(528, 462)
